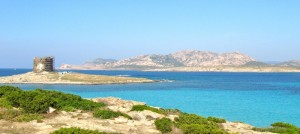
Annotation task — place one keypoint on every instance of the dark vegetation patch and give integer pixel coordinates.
(75, 130)
(145, 107)
(164, 125)
(108, 114)
(33, 104)
(192, 123)
(39, 101)
(281, 128)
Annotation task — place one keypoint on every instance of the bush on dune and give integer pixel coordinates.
(75, 130)
(108, 114)
(17, 115)
(145, 107)
(201, 129)
(194, 124)
(164, 125)
(281, 128)
(39, 101)
(5, 103)
(6, 90)
(216, 120)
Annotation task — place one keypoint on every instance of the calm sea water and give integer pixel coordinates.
(255, 98)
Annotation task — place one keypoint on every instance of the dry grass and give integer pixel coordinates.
(13, 128)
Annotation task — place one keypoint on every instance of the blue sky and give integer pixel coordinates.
(75, 31)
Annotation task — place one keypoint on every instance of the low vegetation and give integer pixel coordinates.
(75, 130)
(216, 120)
(31, 105)
(164, 125)
(191, 124)
(5, 104)
(108, 114)
(195, 124)
(145, 107)
(20, 116)
(39, 101)
(281, 128)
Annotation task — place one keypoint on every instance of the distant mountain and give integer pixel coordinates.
(149, 61)
(256, 63)
(187, 58)
(290, 63)
(193, 58)
(101, 61)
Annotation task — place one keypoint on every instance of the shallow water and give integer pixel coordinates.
(255, 98)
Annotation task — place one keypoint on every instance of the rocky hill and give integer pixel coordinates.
(194, 58)
(187, 58)
(290, 63)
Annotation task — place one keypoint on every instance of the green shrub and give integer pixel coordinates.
(6, 90)
(284, 125)
(216, 120)
(28, 117)
(108, 114)
(164, 125)
(38, 101)
(201, 129)
(191, 119)
(69, 100)
(145, 107)
(74, 130)
(194, 124)
(68, 108)
(281, 128)
(5, 103)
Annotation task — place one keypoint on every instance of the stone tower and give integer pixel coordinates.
(43, 64)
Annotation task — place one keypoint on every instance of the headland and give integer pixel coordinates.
(44, 73)
(69, 78)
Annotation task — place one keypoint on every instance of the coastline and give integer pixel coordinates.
(250, 69)
(142, 122)
(69, 79)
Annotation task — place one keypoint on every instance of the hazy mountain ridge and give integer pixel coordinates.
(290, 63)
(186, 58)
(193, 58)
(101, 61)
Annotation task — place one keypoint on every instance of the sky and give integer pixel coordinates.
(75, 31)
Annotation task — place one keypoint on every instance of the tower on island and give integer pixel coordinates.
(43, 64)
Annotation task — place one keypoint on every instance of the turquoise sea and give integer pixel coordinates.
(255, 98)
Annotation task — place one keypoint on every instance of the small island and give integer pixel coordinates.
(43, 73)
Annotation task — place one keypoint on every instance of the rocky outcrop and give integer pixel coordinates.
(192, 58)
